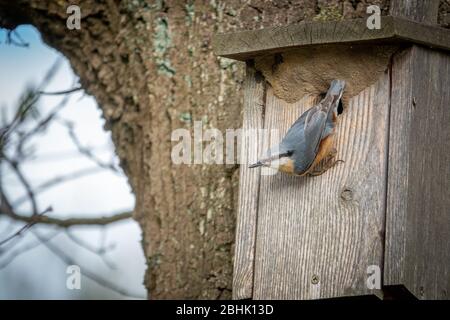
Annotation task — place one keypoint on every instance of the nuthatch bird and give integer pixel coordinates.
(309, 140)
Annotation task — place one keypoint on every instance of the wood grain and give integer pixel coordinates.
(316, 236)
(254, 90)
(419, 10)
(248, 44)
(418, 202)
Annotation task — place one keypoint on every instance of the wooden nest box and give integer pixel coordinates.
(387, 207)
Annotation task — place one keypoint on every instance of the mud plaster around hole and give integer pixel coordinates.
(310, 70)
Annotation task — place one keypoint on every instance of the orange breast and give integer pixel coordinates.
(325, 147)
(288, 167)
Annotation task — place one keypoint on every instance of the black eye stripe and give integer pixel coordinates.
(278, 156)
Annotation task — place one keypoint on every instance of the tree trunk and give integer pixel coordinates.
(150, 66)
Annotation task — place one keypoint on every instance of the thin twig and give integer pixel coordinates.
(10, 40)
(87, 151)
(15, 162)
(25, 248)
(64, 154)
(15, 166)
(32, 101)
(69, 222)
(101, 251)
(7, 129)
(42, 124)
(69, 261)
(57, 181)
(27, 226)
(87, 273)
(55, 93)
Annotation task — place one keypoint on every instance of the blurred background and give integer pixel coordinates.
(57, 144)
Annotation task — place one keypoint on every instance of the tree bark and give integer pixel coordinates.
(150, 66)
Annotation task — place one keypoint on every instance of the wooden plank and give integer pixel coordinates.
(248, 44)
(254, 91)
(418, 202)
(418, 223)
(316, 236)
(425, 11)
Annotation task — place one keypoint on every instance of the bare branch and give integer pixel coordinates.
(43, 123)
(22, 110)
(55, 93)
(56, 181)
(87, 151)
(30, 100)
(25, 248)
(65, 223)
(19, 43)
(7, 209)
(101, 251)
(27, 226)
(69, 222)
(86, 272)
(22, 135)
(15, 166)
(61, 254)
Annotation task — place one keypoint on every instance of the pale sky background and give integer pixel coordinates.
(38, 274)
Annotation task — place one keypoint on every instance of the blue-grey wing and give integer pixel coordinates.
(304, 137)
(295, 131)
(314, 133)
(305, 121)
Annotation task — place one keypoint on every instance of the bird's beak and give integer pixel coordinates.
(258, 164)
